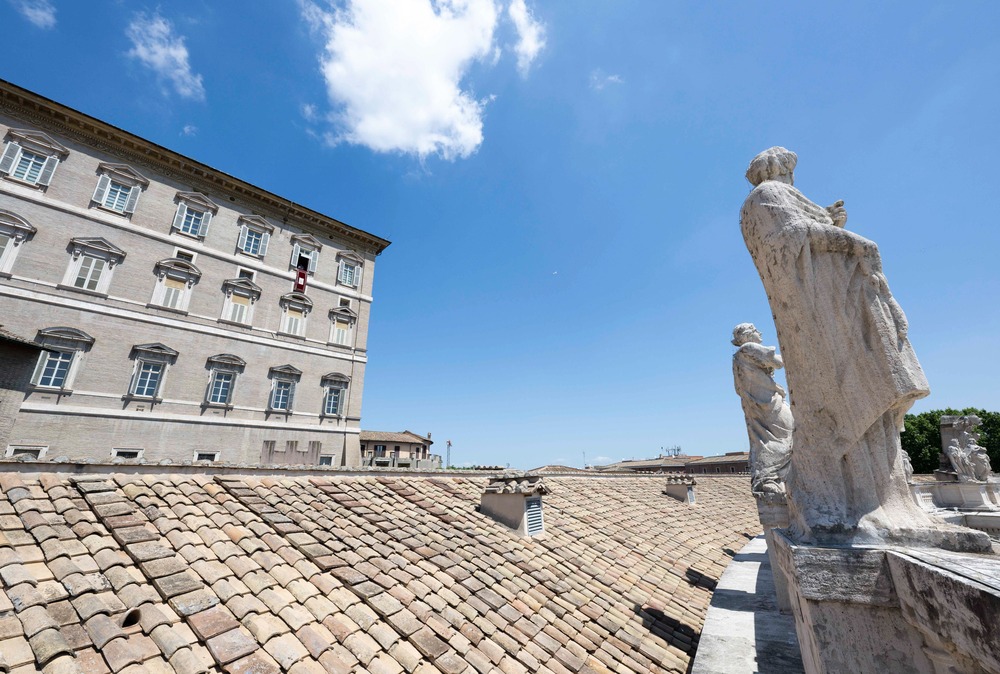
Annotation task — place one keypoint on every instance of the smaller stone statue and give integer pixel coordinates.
(907, 466)
(769, 420)
(968, 459)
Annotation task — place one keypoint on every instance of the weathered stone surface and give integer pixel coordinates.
(849, 365)
(177, 584)
(193, 602)
(231, 645)
(212, 622)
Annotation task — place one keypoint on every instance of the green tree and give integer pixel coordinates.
(921, 437)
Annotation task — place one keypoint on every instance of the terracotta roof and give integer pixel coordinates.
(8, 336)
(387, 436)
(559, 469)
(340, 574)
(659, 462)
(724, 458)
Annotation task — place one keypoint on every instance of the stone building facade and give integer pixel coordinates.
(191, 316)
(384, 449)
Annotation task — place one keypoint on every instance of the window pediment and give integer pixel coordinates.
(255, 222)
(178, 266)
(307, 242)
(16, 222)
(297, 298)
(65, 334)
(351, 257)
(98, 245)
(243, 284)
(123, 172)
(285, 372)
(198, 200)
(228, 361)
(335, 378)
(39, 140)
(343, 313)
(156, 351)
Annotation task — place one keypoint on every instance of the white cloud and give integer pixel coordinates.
(309, 112)
(157, 47)
(39, 12)
(189, 130)
(394, 72)
(598, 80)
(530, 35)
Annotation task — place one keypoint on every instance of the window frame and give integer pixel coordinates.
(223, 363)
(64, 340)
(94, 248)
(17, 230)
(174, 270)
(342, 314)
(138, 450)
(124, 176)
(345, 259)
(200, 452)
(330, 382)
(150, 354)
(297, 302)
(42, 450)
(308, 246)
(37, 143)
(253, 223)
(239, 287)
(282, 375)
(326, 460)
(193, 202)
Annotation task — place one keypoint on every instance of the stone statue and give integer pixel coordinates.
(851, 371)
(769, 421)
(907, 466)
(969, 460)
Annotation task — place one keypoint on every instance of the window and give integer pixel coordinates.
(151, 362)
(342, 321)
(29, 451)
(185, 255)
(305, 252)
(241, 294)
(533, 516)
(223, 371)
(130, 453)
(326, 460)
(268, 447)
(283, 380)
(175, 278)
(92, 265)
(57, 366)
(206, 456)
(118, 188)
(255, 233)
(344, 302)
(14, 230)
(334, 392)
(315, 446)
(31, 157)
(295, 308)
(194, 214)
(248, 274)
(291, 445)
(349, 271)
(379, 450)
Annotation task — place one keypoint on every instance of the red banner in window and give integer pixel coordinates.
(300, 280)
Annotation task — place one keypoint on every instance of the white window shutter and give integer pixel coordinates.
(206, 218)
(181, 213)
(50, 167)
(291, 395)
(356, 277)
(340, 274)
(102, 188)
(133, 198)
(296, 251)
(42, 358)
(243, 237)
(263, 243)
(313, 259)
(10, 154)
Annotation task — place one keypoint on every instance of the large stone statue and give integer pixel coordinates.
(968, 459)
(851, 371)
(769, 421)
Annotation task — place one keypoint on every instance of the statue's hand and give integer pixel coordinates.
(838, 213)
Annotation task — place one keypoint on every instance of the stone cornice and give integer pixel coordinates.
(70, 123)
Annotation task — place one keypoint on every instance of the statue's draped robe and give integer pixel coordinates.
(769, 421)
(851, 371)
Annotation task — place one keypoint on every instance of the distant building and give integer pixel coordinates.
(188, 315)
(397, 450)
(731, 462)
(661, 464)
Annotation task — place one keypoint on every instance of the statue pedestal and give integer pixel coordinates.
(892, 609)
(773, 512)
(958, 495)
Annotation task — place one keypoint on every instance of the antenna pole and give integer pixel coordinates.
(447, 461)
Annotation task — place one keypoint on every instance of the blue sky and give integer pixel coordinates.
(562, 182)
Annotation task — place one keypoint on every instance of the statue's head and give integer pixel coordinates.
(772, 164)
(745, 332)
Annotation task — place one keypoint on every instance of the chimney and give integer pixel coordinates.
(428, 435)
(680, 487)
(515, 500)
